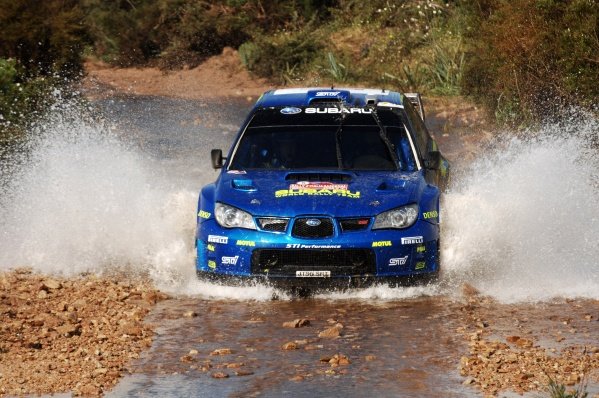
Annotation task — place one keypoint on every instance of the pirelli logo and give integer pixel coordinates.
(412, 240)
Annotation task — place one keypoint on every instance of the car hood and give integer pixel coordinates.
(287, 194)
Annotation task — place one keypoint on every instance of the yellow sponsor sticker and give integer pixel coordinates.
(211, 264)
(204, 214)
(430, 214)
(246, 243)
(210, 247)
(420, 265)
(382, 243)
(345, 193)
(421, 249)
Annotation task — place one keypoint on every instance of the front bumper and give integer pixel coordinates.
(352, 258)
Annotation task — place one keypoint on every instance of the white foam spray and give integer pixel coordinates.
(523, 223)
(520, 225)
(77, 199)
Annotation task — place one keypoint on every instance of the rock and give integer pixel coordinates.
(99, 372)
(219, 375)
(187, 358)
(42, 294)
(51, 284)
(524, 343)
(468, 381)
(193, 352)
(221, 351)
(289, 346)
(234, 365)
(69, 330)
(296, 323)
(132, 329)
(370, 358)
(190, 314)
(331, 332)
(336, 360)
(243, 373)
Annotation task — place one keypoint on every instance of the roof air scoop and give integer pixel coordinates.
(371, 99)
(328, 96)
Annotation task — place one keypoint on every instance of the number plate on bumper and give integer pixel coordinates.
(313, 274)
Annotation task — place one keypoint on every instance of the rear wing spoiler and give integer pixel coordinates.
(416, 101)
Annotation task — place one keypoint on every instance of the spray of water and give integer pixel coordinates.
(76, 199)
(520, 225)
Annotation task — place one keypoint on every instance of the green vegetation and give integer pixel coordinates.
(522, 59)
(559, 390)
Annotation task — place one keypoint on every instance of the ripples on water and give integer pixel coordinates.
(94, 194)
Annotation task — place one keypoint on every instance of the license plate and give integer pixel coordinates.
(313, 274)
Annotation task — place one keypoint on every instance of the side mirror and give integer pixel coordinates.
(217, 158)
(434, 160)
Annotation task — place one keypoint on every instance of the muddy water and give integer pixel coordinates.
(399, 348)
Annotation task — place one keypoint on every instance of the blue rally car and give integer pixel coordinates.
(325, 186)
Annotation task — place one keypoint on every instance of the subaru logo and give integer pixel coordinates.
(290, 110)
(313, 222)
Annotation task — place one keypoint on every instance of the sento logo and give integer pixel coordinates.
(290, 110)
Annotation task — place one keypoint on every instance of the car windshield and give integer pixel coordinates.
(274, 140)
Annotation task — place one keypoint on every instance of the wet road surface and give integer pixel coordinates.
(401, 348)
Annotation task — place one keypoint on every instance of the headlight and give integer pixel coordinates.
(231, 217)
(402, 217)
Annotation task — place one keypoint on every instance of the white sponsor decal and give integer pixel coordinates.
(218, 239)
(338, 110)
(327, 93)
(316, 185)
(412, 240)
(313, 274)
(229, 260)
(398, 261)
(298, 246)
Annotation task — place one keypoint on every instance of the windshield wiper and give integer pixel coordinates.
(338, 140)
(384, 137)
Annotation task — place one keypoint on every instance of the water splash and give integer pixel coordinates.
(78, 197)
(522, 223)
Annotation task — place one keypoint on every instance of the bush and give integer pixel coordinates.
(21, 98)
(43, 37)
(529, 58)
(284, 57)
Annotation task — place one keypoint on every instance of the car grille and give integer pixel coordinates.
(354, 224)
(312, 227)
(338, 261)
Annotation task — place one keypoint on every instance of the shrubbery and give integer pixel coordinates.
(529, 58)
(523, 59)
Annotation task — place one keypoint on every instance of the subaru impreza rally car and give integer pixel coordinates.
(333, 186)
